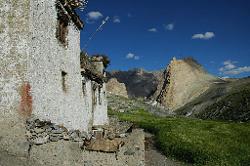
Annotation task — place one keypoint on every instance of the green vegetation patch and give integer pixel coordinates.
(200, 142)
(234, 106)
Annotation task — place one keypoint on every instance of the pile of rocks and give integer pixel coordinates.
(42, 132)
(107, 138)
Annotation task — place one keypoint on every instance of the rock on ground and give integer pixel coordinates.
(131, 154)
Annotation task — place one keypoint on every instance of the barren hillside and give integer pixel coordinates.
(184, 80)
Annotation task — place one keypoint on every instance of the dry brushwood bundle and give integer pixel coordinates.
(81, 4)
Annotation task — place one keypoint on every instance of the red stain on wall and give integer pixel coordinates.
(26, 100)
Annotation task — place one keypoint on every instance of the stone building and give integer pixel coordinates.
(40, 66)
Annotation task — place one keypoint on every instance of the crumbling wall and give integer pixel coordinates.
(98, 65)
(54, 69)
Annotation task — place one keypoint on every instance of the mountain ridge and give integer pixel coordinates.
(185, 88)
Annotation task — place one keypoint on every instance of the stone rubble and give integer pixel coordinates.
(38, 148)
(102, 138)
(42, 132)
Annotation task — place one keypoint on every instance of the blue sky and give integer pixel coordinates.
(149, 33)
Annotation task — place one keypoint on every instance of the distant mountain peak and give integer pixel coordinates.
(184, 80)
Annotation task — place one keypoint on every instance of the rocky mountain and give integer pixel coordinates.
(189, 90)
(139, 83)
(186, 88)
(116, 88)
(183, 81)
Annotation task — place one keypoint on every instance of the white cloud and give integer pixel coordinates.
(228, 65)
(152, 30)
(238, 70)
(116, 19)
(136, 57)
(205, 36)
(93, 16)
(229, 68)
(132, 56)
(169, 27)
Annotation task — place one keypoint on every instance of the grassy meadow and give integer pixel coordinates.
(199, 142)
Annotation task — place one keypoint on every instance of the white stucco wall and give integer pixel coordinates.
(87, 101)
(14, 42)
(48, 58)
(100, 108)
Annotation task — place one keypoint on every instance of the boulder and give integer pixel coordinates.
(105, 145)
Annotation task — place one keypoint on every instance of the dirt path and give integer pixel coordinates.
(153, 157)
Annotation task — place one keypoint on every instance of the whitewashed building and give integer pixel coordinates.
(40, 66)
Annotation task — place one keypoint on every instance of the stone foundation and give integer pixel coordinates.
(66, 150)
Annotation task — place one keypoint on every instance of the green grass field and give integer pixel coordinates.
(200, 142)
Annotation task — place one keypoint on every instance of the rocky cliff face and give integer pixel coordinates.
(116, 88)
(183, 81)
(138, 82)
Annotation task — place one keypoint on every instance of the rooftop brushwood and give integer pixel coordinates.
(89, 71)
(67, 8)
